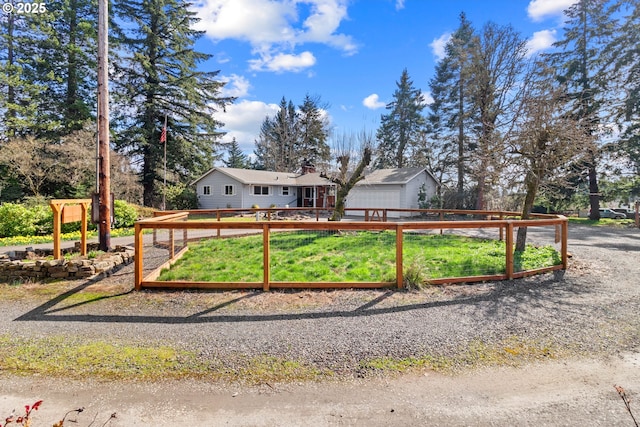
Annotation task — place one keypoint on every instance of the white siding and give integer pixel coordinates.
(390, 196)
(243, 196)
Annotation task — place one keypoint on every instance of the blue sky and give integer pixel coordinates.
(350, 53)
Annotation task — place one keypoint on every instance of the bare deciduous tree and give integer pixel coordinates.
(349, 150)
(546, 138)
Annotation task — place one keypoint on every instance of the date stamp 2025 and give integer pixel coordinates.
(24, 8)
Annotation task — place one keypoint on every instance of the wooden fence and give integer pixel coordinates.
(213, 229)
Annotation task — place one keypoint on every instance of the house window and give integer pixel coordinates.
(308, 193)
(259, 190)
(228, 190)
(285, 191)
(206, 190)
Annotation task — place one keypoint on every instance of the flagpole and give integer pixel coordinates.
(164, 187)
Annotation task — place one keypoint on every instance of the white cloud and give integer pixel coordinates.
(283, 62)
(428, 98)
(438, 45)
(399, 4)
(274, 28)
(540, 41)
(243, 120)
(538, 10)
(235, 86)
(373, 102)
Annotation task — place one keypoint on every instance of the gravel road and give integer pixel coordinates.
(578, 334)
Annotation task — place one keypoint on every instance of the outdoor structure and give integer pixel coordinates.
(221, 188)
(392, 189)
(243, 188)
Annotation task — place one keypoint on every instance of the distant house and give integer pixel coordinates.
(392, 189)
(243, 188)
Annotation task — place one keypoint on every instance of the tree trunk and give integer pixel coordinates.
(531, 182)
(345, 187)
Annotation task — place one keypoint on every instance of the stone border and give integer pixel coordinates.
(79, 268)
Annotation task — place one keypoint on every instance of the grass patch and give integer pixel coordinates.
(61, 357)
(512, 351)
(316, 256)
(603, 222)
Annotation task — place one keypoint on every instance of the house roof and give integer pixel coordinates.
(391, 176)
(261, 177)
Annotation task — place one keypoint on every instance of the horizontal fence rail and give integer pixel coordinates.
(174, 232)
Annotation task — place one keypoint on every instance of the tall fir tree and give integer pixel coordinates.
(20, 90)
(313, 131)
(450, 116)
(158, 77)
(67, 64)
(625, 55)
(293, 136)
(401, 129)
(580, 67)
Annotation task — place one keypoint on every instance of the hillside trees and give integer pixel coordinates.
(293, 136)
(158, 77)
(401, 129)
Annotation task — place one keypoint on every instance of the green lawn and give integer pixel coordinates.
(317, 256)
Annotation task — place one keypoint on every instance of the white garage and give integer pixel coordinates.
(391, 189)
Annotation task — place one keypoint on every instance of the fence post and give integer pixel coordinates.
(138, 256)
(399, 260)
(565, 243)
(509, 250)
(266, 257)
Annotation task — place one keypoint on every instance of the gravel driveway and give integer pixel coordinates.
(587, 320)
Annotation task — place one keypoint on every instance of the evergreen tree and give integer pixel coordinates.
(580, 67)
(292, 137)
(451, 112)
(313, 131)
(158, 78)
(66, 64)
(235, 157)
(401, 128)
(20, 92)
(625, 55)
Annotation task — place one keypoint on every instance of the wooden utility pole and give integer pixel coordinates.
(104, 173)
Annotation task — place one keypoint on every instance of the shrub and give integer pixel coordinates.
(181, 197)
(125, 215)
(16, 220)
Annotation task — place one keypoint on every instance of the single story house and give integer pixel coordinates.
(224, 187)
(221, 188)
(392, 189)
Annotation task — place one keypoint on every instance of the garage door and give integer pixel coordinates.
(368, 198)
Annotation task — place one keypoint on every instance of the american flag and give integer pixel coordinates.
(163, 135)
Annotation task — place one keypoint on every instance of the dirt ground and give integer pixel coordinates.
(562, 393)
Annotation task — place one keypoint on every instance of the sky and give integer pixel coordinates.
(349, 53)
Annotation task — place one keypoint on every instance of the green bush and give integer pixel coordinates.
(16, 220)
(181, 197)
(125, 215)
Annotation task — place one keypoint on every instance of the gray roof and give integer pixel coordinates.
(260, 177)
(391, 176)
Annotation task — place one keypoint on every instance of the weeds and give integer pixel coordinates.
(627, 402)
(25, 420)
